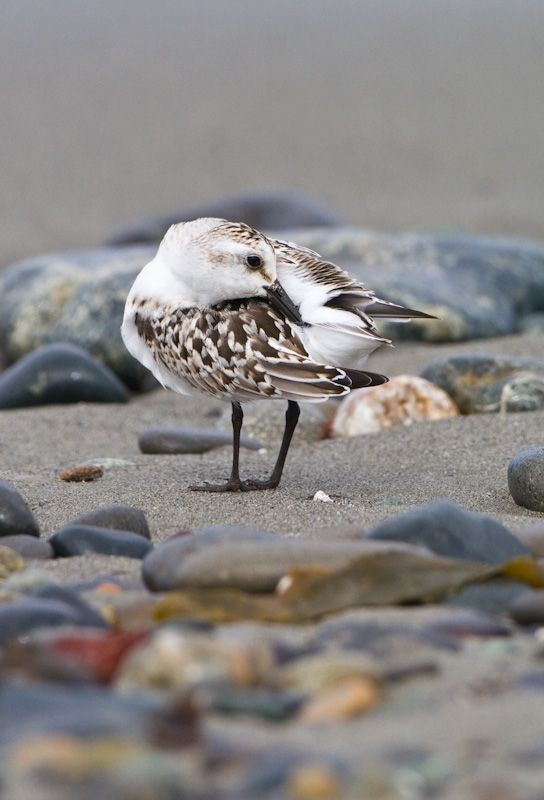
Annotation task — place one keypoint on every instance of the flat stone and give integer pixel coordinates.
(27, 613)
(28, 546)
(59, 373)
(526, 478)
(481, 383)
(179, 440)
(495, 596)
(159, 568)
(264, 210)
(76, 540)
(15, 516)
(250, 564)
(116, 517)
(449, 530)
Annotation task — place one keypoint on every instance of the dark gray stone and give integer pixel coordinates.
(28, 546)
(532, 323)
(449, 530)
(265, 210)
(15, 516)
(480, 383)
(526, 478)
(77, 540)
(494, 597)
(117, 517)
(177, 440)
(28, 613)
(74, 297)
(88, 616)
(59, 373)
(159, 568)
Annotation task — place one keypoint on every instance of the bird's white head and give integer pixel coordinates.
(210, 260)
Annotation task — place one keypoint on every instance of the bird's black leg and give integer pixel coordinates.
(234, 484)
(291, 418)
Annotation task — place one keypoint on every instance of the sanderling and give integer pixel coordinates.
(224, 310)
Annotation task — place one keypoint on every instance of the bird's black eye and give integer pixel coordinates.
(254, 262)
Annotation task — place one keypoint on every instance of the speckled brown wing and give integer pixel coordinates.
(242, 350)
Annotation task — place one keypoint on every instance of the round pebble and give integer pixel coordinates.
(116, 517)
(15, 516)
(59, 373)
(77, 540)
(526, 478)
(28, 546)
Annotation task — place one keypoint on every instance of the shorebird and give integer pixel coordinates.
(228, 312)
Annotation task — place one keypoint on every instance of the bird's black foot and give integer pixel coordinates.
(236, 486)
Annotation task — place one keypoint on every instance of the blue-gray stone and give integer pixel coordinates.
(526, 478)
(449, 530)
(64, 594)
(59, 373)
(264, 210)
(116, 517)
(28, 546)
(482, 383)
(15, 516)
(77, 540)
(27, 613)
(177, 440)
(74, 297)
(33, 709)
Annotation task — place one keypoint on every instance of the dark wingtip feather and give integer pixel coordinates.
(386, 310)
(360, 379)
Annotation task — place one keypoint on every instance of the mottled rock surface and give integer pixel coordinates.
(526, 478)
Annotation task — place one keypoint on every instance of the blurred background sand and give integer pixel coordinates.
(400, 114)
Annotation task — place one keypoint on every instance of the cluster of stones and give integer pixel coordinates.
(113, 680)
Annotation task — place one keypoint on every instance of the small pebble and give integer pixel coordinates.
(322, 497)
(343, 700)
(77, 540)
(116, 517)
(315, 672)
(28, 546)
(81, 474)
(313, 782)
(526, 478)
(528, 608)
(9, 562)
(15, 516)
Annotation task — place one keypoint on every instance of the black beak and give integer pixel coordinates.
(280, 300)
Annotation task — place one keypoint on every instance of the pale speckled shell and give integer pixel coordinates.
(404, 400)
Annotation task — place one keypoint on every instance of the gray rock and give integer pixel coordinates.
(265, 422)
(265, 210)
(117, 517)
(28, 546)
(526, 478)
(15, 516)
(72, 297)
(532, 537)
(59, 373)
(253, 564)
(481, 383)
(77, 540)
(478, 286)
(496, 596)
(532, 323)
(177, 440)
(449, 530)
